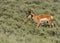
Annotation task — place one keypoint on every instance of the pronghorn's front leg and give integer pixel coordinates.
(38, 24)
(51, 24)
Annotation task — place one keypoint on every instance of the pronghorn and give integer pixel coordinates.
(41, 19)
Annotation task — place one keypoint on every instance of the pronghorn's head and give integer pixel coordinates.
(30, 14)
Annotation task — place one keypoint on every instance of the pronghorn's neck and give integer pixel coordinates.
(35, 18)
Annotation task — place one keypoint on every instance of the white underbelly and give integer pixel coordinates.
(43, 20)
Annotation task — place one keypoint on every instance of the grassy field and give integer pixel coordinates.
(16, 28)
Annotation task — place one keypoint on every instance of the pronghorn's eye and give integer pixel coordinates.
(31, 15)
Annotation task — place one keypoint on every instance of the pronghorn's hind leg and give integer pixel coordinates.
(51, 24)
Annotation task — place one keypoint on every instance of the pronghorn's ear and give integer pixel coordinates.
(30, 11)
(27, 12)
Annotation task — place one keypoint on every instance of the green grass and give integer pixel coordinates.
(15, 27)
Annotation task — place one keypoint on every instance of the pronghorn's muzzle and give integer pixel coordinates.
(29, 16)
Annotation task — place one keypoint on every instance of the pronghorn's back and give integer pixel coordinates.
(48, 16)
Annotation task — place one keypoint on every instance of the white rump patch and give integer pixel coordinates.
(51, 17)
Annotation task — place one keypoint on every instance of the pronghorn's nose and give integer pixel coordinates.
(29, 16)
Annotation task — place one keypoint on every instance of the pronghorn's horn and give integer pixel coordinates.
(29, 12)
